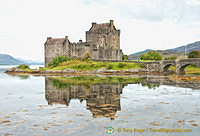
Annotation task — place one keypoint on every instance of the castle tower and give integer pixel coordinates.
(104, 34)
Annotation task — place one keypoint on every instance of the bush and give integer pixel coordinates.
(86, 56)
(23, 66)
(151, 55)
(109, 66)
(170, 58)
(121, 65)
(57, 60)
(124, 57)
(194, 54)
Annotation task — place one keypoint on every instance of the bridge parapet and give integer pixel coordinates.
(180, 64)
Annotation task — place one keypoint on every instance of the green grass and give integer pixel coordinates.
(147, 60)
(23, 67)
(191, 69)
(92, 65)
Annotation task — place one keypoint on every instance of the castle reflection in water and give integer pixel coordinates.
(103, 100)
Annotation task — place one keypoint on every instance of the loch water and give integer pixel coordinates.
(48, 106)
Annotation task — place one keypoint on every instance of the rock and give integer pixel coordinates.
(19, 70)
(112, 71)
(11, 69)
(69, 71)
(102, 70)
(133, 70)
(35, 71)
(53, 71)
(91, 72)
(136, 70)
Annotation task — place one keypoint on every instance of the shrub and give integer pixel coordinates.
(170, 58)
(124, 57)
(151, 55)
(57, 60)
(121, 65)
(23, 66)
(194, 54)
(86, 56)
(109, 66)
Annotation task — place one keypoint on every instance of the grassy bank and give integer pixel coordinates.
(91, 65)
(191, 69)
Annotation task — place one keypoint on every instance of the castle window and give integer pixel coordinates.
(57, 50)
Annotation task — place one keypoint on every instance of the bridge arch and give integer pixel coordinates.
(166, 67)
(180, 68)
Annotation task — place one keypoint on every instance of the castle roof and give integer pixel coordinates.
(55, 41)
(103, 26)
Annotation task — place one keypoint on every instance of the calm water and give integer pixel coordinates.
(38, 105)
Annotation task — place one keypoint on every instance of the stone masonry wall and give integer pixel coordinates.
(51, 51)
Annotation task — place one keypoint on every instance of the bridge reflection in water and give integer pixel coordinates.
(102, 99)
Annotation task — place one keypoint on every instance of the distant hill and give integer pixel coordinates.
(9, 60)
(178, 52)
(189, 47)
(6, 59)
(31, 62)
(141, 52)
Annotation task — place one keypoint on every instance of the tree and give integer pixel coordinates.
(151, 55)
(124, 57)
(194, 54)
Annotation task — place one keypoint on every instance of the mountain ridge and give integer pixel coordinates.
(178, 52)
(6, 59)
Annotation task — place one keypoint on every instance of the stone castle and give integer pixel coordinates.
(102, 43)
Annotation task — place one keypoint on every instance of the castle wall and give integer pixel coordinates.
(114, 39)
(51, 51)
(96, 52)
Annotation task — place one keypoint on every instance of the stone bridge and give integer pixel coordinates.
(180, 64)
(162, 66)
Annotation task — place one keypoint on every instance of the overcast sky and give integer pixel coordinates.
(144, 24)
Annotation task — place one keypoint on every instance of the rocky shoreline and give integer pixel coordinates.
(73, 71)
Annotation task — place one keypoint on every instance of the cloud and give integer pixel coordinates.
(155, 24)
(180, 11)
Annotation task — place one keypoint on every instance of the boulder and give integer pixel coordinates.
(11, 70)
(52, 71)
(102, 70)
(69, 71)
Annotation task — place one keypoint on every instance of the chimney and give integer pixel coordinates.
(80, 41)
(93, 24)
(48, 38)
(111, 24)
